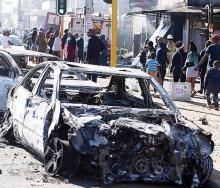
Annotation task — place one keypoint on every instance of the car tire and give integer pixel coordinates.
(60, 158)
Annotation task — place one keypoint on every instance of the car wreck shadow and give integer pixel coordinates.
(214, 180)
(84, 180)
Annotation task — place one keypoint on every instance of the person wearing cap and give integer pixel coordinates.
(95, 46)
(212, 53)
(170, 43)
(70, 48)
(178, 62)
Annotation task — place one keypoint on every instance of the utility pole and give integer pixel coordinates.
(114, 33)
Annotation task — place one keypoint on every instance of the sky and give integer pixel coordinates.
(7, 5)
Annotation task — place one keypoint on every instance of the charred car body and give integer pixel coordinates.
(13, 66)
(113, 133)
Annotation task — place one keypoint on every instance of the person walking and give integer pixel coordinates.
(80, 45)
(191, 62)
(103, 59)
(212, 85)
(143, 58)
(41, 44)
(57, 44)
(203, 67)
(50, 43)
(212, 53)
(178, 62)
(64, 38)
(48, 33)
(33, 45)
(95, 46)
(161, 57)
(152, 65)
(70, 48)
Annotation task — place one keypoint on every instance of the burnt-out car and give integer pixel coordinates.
(118, 132)
(13, 66)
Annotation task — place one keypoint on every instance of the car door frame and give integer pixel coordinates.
(18, 115)
(39, 131)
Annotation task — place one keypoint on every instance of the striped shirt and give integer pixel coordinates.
(152, 65)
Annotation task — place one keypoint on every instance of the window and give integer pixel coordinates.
(5, 69)
(46, 87)
(32, 79)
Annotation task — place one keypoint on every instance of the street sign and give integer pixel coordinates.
(61, 7)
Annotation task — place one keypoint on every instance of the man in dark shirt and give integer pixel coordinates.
(178, 62)
(95, 46)
(80, 45)
(162, 58)
(212, 53)
(203, 67)
(64, 38)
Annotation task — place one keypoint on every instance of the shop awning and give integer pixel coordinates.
(161, 31)
(190, 10)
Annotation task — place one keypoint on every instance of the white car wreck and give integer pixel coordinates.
(13, 66)
(116, 135)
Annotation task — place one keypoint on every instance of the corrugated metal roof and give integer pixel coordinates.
(191, 10)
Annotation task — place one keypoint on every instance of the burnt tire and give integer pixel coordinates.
(60, 159)
(206, 166)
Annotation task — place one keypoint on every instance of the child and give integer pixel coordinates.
(212, 85)
(152, 65)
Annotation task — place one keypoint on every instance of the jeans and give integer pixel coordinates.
(214, 98)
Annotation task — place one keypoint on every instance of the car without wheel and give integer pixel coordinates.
(118, 132)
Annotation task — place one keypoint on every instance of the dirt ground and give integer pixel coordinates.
(21, 169)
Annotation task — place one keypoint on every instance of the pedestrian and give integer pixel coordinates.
(64, 38)
(80, 45)
(25, 38)
(161, 57)
(170, 43)
(33, 45)
(103, 59)
(143, 58)
(5, 40)
(178, 62)
(41, 42)
(203, 67)
(48, 33)
(56, 44)
(150, 47)
(152, 65)
(95, 46)
(50, 43)
(70, 48)
(212, 85)
(212, 52)
(191, 62)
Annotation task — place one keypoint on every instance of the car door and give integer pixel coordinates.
(22, 94)
(7, 76)
(40, 110)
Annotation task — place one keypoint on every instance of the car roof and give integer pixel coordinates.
(104, 70)
(20, 52)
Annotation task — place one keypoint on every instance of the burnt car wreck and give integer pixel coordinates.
(113, 133)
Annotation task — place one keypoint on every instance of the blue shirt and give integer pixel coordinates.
(214, 54)
(152, 65)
